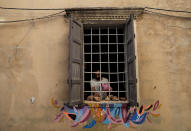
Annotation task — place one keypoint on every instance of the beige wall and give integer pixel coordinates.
(33, 62)
(164, 46)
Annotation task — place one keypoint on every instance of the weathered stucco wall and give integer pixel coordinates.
(34, 57)
(164, 57)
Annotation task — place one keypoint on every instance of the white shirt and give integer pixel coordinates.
(97, 84)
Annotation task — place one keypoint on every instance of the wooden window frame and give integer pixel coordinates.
(130, 42)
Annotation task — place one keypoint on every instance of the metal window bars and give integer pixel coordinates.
(104, 46)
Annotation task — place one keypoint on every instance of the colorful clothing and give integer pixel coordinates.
(97, 84)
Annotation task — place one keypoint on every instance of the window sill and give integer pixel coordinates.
(104, 102)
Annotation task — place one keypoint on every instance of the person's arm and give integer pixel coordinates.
(93, 88)
(92, 84)
(94, 94)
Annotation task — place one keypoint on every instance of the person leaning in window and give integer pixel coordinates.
(98, 84)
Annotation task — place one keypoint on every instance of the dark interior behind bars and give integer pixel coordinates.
(104, 50)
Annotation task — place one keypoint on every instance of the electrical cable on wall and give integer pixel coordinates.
(32, 19)
(6, 8)
(182, 11)
(169, 10)
(157, 13)
(146, 9)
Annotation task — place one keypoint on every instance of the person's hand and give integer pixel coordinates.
(93, 88)
(96, 95)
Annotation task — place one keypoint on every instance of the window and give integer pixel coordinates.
(109, 49)
(104, 51)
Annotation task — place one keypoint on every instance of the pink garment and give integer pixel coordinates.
(106, 87)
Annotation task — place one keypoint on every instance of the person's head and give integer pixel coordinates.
(97, 74)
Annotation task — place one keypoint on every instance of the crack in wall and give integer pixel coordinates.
(18, 45)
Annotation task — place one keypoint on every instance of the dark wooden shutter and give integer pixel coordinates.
(131, 67)
(75, 62)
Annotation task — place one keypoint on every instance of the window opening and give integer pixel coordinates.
(104, 63)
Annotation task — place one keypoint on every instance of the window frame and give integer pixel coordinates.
(111, 22)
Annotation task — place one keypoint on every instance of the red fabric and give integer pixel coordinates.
(106, 87)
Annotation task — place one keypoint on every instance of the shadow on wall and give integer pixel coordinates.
(107, 114)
